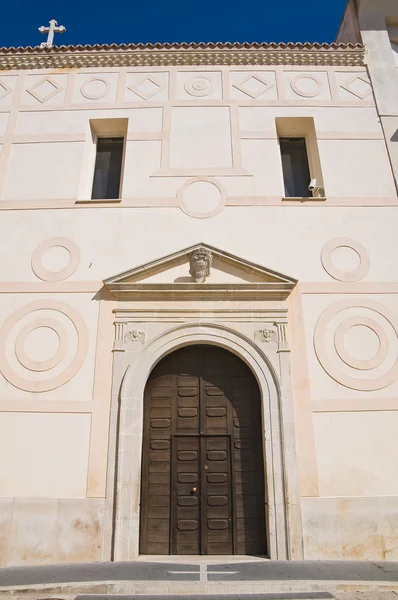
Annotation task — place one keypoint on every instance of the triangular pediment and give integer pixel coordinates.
(227, 273)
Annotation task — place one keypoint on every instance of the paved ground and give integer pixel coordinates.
(203, 578)
(256, 571)
(374, 595)
(364, 596)
(283, 596)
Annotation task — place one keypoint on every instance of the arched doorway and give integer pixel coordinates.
(202, 487)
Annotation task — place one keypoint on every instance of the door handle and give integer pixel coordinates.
(194, 490)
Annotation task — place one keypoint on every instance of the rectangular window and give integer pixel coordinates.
(108, 168)
(296, 172)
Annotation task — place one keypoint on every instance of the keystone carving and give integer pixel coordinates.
(200, 261)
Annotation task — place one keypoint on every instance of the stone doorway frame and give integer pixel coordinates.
(122, 519)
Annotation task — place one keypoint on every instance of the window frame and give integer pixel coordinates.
(303, 137)
(302, 127)
(106, 136)
(96, 129)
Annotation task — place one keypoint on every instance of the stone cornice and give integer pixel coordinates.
(191, 291)
(132, 285)
(149, 55)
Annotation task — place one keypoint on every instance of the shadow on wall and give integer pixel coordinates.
(394, 137)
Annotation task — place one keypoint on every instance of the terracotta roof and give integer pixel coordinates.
(181, 54)
(189, 46)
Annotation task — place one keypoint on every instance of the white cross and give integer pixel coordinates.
(51, 30)
(203, 573)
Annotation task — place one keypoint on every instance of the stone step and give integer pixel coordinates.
(376, 594)
(227, 590)
(256, 596)
(272, 596)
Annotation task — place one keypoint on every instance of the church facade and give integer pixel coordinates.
(198, 308)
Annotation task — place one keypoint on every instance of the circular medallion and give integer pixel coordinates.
(95, 88)
(305, 85)
(329, 344)
(349, 276)
(62, 274)
(43, 365)
(72, 364)
(357, 363)
(201, 197)
(198, 86)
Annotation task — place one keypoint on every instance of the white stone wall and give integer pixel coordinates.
(377, 28)
(202, 163)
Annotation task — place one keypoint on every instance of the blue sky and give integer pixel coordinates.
(118, 21)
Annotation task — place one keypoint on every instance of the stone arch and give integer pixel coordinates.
(127, 436)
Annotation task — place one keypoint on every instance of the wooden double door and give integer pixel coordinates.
(203, 465)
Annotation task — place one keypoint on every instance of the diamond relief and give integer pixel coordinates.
(47, 84)
(4, 89)
(254, 86)
(358, 86)
(146, 88)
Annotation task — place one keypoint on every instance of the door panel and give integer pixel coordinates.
(186, 534)
(203, 430)
(217, 495)
(201, 511)
(186, 407)
(156, 468)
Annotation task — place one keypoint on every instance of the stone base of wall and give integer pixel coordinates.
(51, 531)
(46, 531)
(350, 528)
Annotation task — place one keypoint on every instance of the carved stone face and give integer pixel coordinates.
(200, 263)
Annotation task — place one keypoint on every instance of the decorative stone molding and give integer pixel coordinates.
(283, 345)
(123, 337)
(4, 89)
(351, 361)
(90, 96)
(211, 189)
(361, 95)
(268, 285)
(35, 89)
(141, 55)
(279, 336)
(134, 335)
(118, 344)
(124, 466)
(295, 85)
(200, 261)
(348, 276)
(329, 353)
(146, 95)
(63, 274)
(198, 86)
(263, 86)
(43, 385)
(265, 335)
(55, 360)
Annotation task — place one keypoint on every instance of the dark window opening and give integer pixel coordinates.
(108, 168)
(296, 172)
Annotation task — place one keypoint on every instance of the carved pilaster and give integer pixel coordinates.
(283, 345)
(118, 344)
